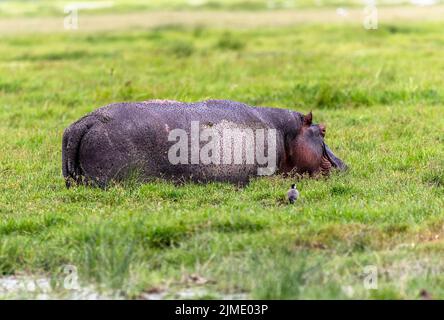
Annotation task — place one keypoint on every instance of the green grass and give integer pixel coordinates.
(379, 92)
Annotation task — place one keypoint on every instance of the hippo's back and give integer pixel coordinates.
(182, 113)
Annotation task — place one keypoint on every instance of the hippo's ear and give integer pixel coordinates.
(308, 118)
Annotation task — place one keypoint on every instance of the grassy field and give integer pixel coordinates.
(13, 8)
(379, 92)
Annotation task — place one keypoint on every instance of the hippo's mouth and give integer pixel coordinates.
(329, 160)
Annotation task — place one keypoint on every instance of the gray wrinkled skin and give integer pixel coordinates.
(125, 139)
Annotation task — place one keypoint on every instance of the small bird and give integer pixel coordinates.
(425, 295)
(293, 194)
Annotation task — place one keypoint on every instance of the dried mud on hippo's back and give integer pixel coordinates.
(214, 140)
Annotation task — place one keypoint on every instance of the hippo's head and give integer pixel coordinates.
(308, 152)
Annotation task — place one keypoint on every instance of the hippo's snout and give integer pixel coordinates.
(335, 161)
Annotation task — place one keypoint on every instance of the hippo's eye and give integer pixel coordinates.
(313, 130)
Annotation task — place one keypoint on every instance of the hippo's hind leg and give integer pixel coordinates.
(72, 139)
(102, 156)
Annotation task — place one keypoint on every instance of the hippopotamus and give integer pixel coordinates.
(213, 140)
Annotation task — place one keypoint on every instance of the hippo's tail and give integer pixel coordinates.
(72, 137)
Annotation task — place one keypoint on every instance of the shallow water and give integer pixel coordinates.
(27, 287)
(39, 288)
